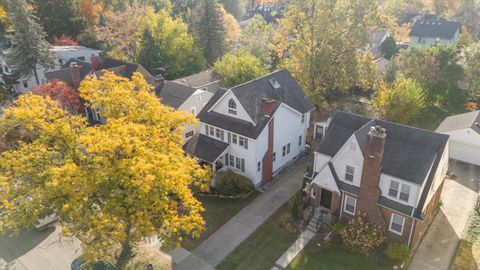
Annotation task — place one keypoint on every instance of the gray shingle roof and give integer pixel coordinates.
(205, 148)
(409, 152)
(65, 73)
(435, 29)
(250, 96)
(461, 121)
(200, 79)
(173, 94)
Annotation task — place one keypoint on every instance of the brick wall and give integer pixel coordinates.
(267, 162)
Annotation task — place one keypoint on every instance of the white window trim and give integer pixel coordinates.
(399, 191)
(346, 171)
(391, 222)
(345, 205)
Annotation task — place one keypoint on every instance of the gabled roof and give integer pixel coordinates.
(250, 96)
(200, 79)
(174, 95)
(461, 121)
(286, 90)
(65, 73)
(435, 28)
(409, 152)
(205, 148)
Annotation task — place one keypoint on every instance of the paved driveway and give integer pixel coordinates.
(229, 236)
(32, 250)
(458, 200)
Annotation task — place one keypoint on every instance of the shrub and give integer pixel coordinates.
(338, 226)
(398, 252)
(361, 235)
(297, 207)
(231, 183)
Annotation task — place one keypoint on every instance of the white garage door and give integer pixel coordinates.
(464, 152)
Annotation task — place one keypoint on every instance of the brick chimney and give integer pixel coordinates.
(75, 73)
(159, 81)
(268, 106)
(372, 168)
(95, 61)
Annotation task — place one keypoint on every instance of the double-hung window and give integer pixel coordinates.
(300, 140)
(350, 205)
(284, 150)
(238, 163)
(393, 190)
(232, 161)
(396, 224)
(242, 141)
(399, 191)
(349, 173)
(234, 138)
(217, 133)
(232, 107)
(274, 156)
(212, 131)
(259, 166)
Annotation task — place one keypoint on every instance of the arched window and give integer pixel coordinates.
(232, 107)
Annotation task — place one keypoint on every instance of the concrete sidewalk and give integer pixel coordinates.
(293, 250)
(231, 235)
(459, 196)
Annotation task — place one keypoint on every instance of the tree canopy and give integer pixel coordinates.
(255, 39)
(403, 102)
(110, 184)
(318, 41)
(209, 29)
(471, 64)
(60, 17)
(237, 68)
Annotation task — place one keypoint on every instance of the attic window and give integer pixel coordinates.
(274, 83)
(232, 107)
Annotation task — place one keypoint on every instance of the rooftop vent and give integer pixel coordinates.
(274, 83)
(73, 64)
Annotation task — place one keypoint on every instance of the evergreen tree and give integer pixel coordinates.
(30, 48)
(211, 31)
(60, 17)
(147, 56)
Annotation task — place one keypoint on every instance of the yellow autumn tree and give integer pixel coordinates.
(110, 184)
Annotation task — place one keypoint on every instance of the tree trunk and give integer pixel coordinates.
(126, 254)
(36, 75)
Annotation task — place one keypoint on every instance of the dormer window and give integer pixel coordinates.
(232, 107)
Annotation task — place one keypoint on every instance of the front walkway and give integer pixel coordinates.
(459, 196)
(231, 235)
(293, 250)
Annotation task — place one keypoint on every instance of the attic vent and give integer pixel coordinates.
(274, 83)
(421, 22)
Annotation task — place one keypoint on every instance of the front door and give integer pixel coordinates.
(326, 198)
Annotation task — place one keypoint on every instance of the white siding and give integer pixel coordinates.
(465, 145)
(320, 161)
(424, 42)
(222, 107)
(196, 102)
(413, 197)
(350, 154)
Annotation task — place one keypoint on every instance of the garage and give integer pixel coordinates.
(464, 132)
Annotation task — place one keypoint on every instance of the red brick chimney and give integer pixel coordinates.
(95, 62)
(75, 73)
(372, 168)
(268, 106)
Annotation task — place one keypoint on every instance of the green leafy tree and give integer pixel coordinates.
(389, 47)
(235, 7)
(318, 41)
(210, 30)
(237, 68)
(255, 39)
(403, 102)
(60, 17)
(167, 44)
(471, 63)
(30, 49)
(369, 79)
(398, 8)
(435, 68)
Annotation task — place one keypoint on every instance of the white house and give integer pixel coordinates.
(61, 55)
(427, 32)
(255, 128)
(184, 98)
(393, 173)
(464, 132)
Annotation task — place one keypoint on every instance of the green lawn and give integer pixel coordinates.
(217, 212)
(265, 245)
(468, 253)
(336, 257)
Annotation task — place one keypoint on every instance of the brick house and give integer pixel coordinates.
(392, 172)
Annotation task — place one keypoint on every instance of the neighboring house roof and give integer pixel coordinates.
(435, 28)
(409, 152)
(285, 90)
(174, 94)
(461, 121)
(377, 37)
(65, 73)
(119, 67)
(205, 148)
(200, 79)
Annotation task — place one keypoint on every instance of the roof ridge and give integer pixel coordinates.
(257, 79)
